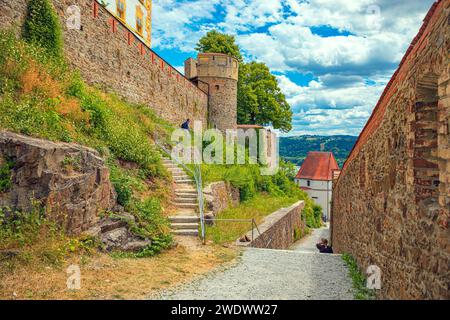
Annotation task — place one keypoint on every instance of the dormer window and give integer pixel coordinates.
(121, 9)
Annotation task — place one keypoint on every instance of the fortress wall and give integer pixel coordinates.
(109, 56)
(391, 202)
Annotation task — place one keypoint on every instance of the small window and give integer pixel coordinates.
(121, 9)
(309, 183)
(217, 87)
(139, 20)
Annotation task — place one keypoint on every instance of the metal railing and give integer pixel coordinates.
(254, 226)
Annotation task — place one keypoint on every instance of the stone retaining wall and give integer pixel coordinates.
(219, 196)
(278, 230)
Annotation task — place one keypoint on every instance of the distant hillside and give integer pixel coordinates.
(295, 149)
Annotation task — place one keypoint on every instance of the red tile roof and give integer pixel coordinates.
(318, 166)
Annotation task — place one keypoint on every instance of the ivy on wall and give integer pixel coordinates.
(42, 27)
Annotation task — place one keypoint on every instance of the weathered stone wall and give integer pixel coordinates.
(391, 202)
(70, 181)
(109, 56)
(278, 230)
(219, 196)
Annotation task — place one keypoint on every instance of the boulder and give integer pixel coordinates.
(70, 181)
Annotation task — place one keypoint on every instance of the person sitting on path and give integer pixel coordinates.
(324, 247)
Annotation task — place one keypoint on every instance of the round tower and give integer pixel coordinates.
(217, 74)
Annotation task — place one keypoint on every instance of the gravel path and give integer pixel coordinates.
(272, 275)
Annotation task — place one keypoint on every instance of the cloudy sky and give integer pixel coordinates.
(332, 58)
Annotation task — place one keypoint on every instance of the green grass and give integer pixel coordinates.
(257, 208)
(358, 279)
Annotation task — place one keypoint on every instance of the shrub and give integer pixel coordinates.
(358, 279)
(42, 27)
(5, 175)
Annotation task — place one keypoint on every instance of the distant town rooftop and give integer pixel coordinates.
(318, 166)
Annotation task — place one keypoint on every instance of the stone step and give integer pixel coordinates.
(181, 175)
(186, 205)
(183, 181)
(186, 190)
(186, 233)
(185, 200)
(184, 226)
(192, 195)
(184, 219)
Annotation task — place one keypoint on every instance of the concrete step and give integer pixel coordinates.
(184, 219)
(186, 233)
(184, 226)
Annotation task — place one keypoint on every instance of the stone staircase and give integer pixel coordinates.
(185, 222)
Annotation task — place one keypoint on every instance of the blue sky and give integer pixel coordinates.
(332, 59)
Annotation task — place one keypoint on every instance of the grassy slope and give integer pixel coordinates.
(41, 97)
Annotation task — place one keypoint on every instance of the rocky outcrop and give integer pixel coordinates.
(220, 196)
(70, 181)
(114, 232)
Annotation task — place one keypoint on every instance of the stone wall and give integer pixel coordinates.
(70, 181)
(220, 196)
(278, 230)
(110, 56)
(391, 202)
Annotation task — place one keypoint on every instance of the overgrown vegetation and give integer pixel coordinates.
(40, 97)
(6, 167)
(30, 237)
(256, 208)
(358, 279)
(42, 27)
(251, 184)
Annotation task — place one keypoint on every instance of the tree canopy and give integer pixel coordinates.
(217, 42)
(260, 100)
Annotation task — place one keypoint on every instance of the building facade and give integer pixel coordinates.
(316, 178)
(135, 14)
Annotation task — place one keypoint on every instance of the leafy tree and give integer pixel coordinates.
(217, 42)
(42, 27)
(260, 100)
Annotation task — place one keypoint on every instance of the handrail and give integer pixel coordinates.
(197, 174)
